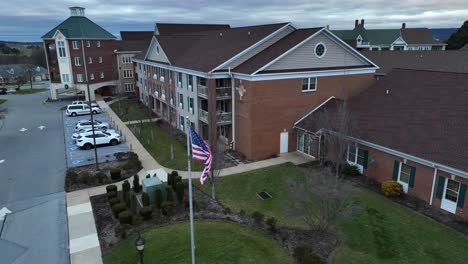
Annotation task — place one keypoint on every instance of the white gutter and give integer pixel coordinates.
(233, 96)
(433, 185)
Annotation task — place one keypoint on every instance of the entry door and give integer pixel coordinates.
(284, 142)
(450, 197)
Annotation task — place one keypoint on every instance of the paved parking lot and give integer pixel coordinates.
(79, 157)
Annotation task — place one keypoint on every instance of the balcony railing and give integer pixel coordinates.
(221, 92)
(222, 118)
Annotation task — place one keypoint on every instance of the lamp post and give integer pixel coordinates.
(140, 246)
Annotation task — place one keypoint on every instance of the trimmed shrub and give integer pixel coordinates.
(145, 199)
(113, 201)
(169, 194)
(136, 184)
(258, 217)
(101, 177)
(115, 174)
(146, 212)
(227, 210)
(86, 177)
(126, 198)
(158, 199)
(118, 208)
(350, 170)
(125, 217)
(166, 208)
(178, 179)
(391, 188)
(271, 222)
(121, 231)
(303, 255)
(137, 220)
(132, 165)
(133, 202)
(111, 195)
(242, 212)
(111, 188)
(179, 189)
(126, 186)
(171, 178)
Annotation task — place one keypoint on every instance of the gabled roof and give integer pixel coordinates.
(173, 28)
(275, 50)
(418, 36)
(79, 27)
(423, 114)
(448, 60)
(203, 51)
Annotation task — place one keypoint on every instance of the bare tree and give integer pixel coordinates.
(218, 164)
(336, 126)
(319, 199)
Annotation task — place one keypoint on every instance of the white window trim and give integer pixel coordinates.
(79, 77)
(77, 61)
(308, 85)
(324, 49)
(404, 184)
(102, 75)
(100, 59)
(98, 43)
(350, 162)
(91, 76)
(75, 44)
(88, 43)
(90, 60)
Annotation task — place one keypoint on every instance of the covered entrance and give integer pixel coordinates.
(307, 143)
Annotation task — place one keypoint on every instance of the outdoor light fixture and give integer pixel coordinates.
(140, 246)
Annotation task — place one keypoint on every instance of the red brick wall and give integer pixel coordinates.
(382, 170)
(269, 107)
(108, 65)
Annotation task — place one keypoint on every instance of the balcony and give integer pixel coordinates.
(221, 92)
(222, 118)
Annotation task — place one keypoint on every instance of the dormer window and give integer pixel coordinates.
(359, 39)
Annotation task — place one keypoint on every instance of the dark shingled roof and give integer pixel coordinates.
(424, 114)
(448, 61)
(171, 28)
(418, 36)
(203, 51)
(79, 27)
(136, 35)
(275, 50)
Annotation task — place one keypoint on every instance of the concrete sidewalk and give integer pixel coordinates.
(84, 241)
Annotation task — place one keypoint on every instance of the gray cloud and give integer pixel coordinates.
(27, 20)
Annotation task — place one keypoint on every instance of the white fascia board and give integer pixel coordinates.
(399, 38)
(403, 155)
(256, 44)
(298, 75)
(183, 70)
(340, 41)
(288, 51)
(315, 109)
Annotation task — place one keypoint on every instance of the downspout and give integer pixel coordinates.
(85, 67)
(48, 69)
(233, 95)
(433, 185)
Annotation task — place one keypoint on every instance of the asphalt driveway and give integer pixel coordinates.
(32, 167)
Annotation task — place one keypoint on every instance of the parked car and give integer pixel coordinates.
(87, 125)
(3, 90)
(81, 131)
(81, 109)
(86, 141)
(85, 102)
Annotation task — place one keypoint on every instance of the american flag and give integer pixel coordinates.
(201, 152)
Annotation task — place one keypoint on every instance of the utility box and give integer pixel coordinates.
(150, 185)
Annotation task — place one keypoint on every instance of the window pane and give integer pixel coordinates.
(360, 158)
(352, 154)
(405, 173)
(305, 84)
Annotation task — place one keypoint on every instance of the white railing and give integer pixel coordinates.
(221, 117)
(223, 92)
(203, 115)
(202, 90)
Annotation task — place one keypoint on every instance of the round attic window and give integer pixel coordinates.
(320, 50)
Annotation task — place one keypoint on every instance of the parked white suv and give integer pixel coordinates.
(81, 109)
(86, 124)
(86, 141)
(85, 130)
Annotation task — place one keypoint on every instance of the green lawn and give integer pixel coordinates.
(216, 242)
(130, 109)
(238, 192)
(30, 91)
(161, 146)
(2, 101)
(381, 232)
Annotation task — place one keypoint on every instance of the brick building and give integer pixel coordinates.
(410, 127)
(78, 53)
(245, 87)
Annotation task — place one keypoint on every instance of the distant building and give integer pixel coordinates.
(79, 52)
(11, 73)
(132, 43)
(389, 39)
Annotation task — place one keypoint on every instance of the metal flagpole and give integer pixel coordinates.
(192, 235)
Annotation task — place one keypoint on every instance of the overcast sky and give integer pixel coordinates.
(28, 20)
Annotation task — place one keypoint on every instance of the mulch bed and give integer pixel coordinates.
(80, 183)
(322, 245)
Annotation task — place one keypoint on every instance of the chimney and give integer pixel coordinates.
(77, 11)
(356, 23)
(403, 26)
(328, 27)
(362, 22)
